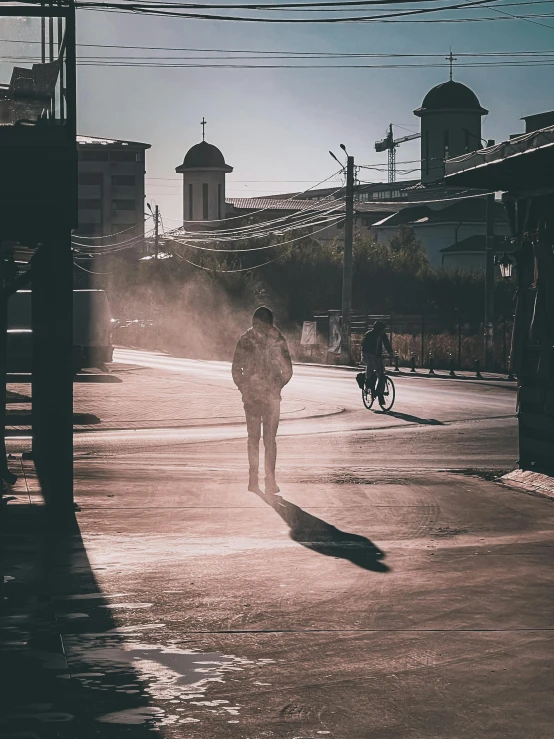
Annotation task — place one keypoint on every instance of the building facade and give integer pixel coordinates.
(111, 187)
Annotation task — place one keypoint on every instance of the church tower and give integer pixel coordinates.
(203, 171)
(450, 126)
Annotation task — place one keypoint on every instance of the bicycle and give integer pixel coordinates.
(389, 394)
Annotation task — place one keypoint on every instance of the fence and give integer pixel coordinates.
(450, 343)
(449, 340)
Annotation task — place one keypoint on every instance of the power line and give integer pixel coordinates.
(295, 196)
(168, 11)
(245, 269)
(143, 5)
(156, 65)
(323, 54)
(327, 221)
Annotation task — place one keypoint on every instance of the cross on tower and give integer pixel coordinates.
(203, 124)
(450, 58)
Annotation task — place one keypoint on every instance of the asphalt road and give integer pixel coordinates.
(391, 591)
(435, 423)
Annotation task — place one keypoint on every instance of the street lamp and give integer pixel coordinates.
(336, 159)
(506, 265)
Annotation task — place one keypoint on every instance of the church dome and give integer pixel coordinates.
(450, 96)
(203, 156)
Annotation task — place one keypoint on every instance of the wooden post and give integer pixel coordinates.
(52, 379)
(347, 260)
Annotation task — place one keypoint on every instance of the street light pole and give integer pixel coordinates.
(347, 259)
(489, 284)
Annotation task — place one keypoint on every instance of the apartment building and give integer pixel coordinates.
(111, 187)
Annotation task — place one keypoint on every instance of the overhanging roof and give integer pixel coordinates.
(96, 141)
(524, 163)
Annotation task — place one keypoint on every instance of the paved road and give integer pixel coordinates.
(390, 592)
(434, 424)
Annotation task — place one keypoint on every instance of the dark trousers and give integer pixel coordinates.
(263, 413)
(375, 370)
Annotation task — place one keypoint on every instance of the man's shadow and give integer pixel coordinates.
(313, 533)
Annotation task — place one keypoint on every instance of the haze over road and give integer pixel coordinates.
(435, 422)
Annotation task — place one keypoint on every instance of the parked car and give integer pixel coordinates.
(92, 323)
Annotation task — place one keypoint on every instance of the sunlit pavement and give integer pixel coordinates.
(382, 595)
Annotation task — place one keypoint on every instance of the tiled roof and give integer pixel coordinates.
(276, 204)
(296, 205)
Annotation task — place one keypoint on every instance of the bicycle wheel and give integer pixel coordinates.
(389, 395)
(367, 397)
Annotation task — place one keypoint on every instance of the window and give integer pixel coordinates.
(90, 178)
(123, 180)
(124, 156)
(446, 143)
(219, 189)
(123, 205)
(93, 155)
(205, 210)
(191, 202)
(90, 204)
(466, 141)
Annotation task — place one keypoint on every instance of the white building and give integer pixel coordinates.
(441, 226)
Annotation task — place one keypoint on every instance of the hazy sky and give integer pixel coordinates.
(275, 126)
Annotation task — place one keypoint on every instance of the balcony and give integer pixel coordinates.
(37, 118)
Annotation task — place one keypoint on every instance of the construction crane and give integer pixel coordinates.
(389, 143)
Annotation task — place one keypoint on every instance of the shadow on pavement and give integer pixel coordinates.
(412, 419)
(64, 669)
(322, 537)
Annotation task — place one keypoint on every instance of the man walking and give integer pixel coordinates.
(261, 368)
(372, 356)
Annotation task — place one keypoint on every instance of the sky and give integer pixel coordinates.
(276, 126)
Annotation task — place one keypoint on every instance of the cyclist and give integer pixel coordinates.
(372, 355)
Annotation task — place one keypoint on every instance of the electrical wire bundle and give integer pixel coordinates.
(313, 213)
(206, 11)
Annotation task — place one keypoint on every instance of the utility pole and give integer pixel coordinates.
(156, 231)
(347, 260)
(489, 284)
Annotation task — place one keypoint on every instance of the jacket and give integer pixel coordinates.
(261, 365)
(373, 343)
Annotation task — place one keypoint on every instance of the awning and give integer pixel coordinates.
(524, 163)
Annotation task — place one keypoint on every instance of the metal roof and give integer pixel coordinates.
(468, 210)
(96, 141)
(510, 165)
